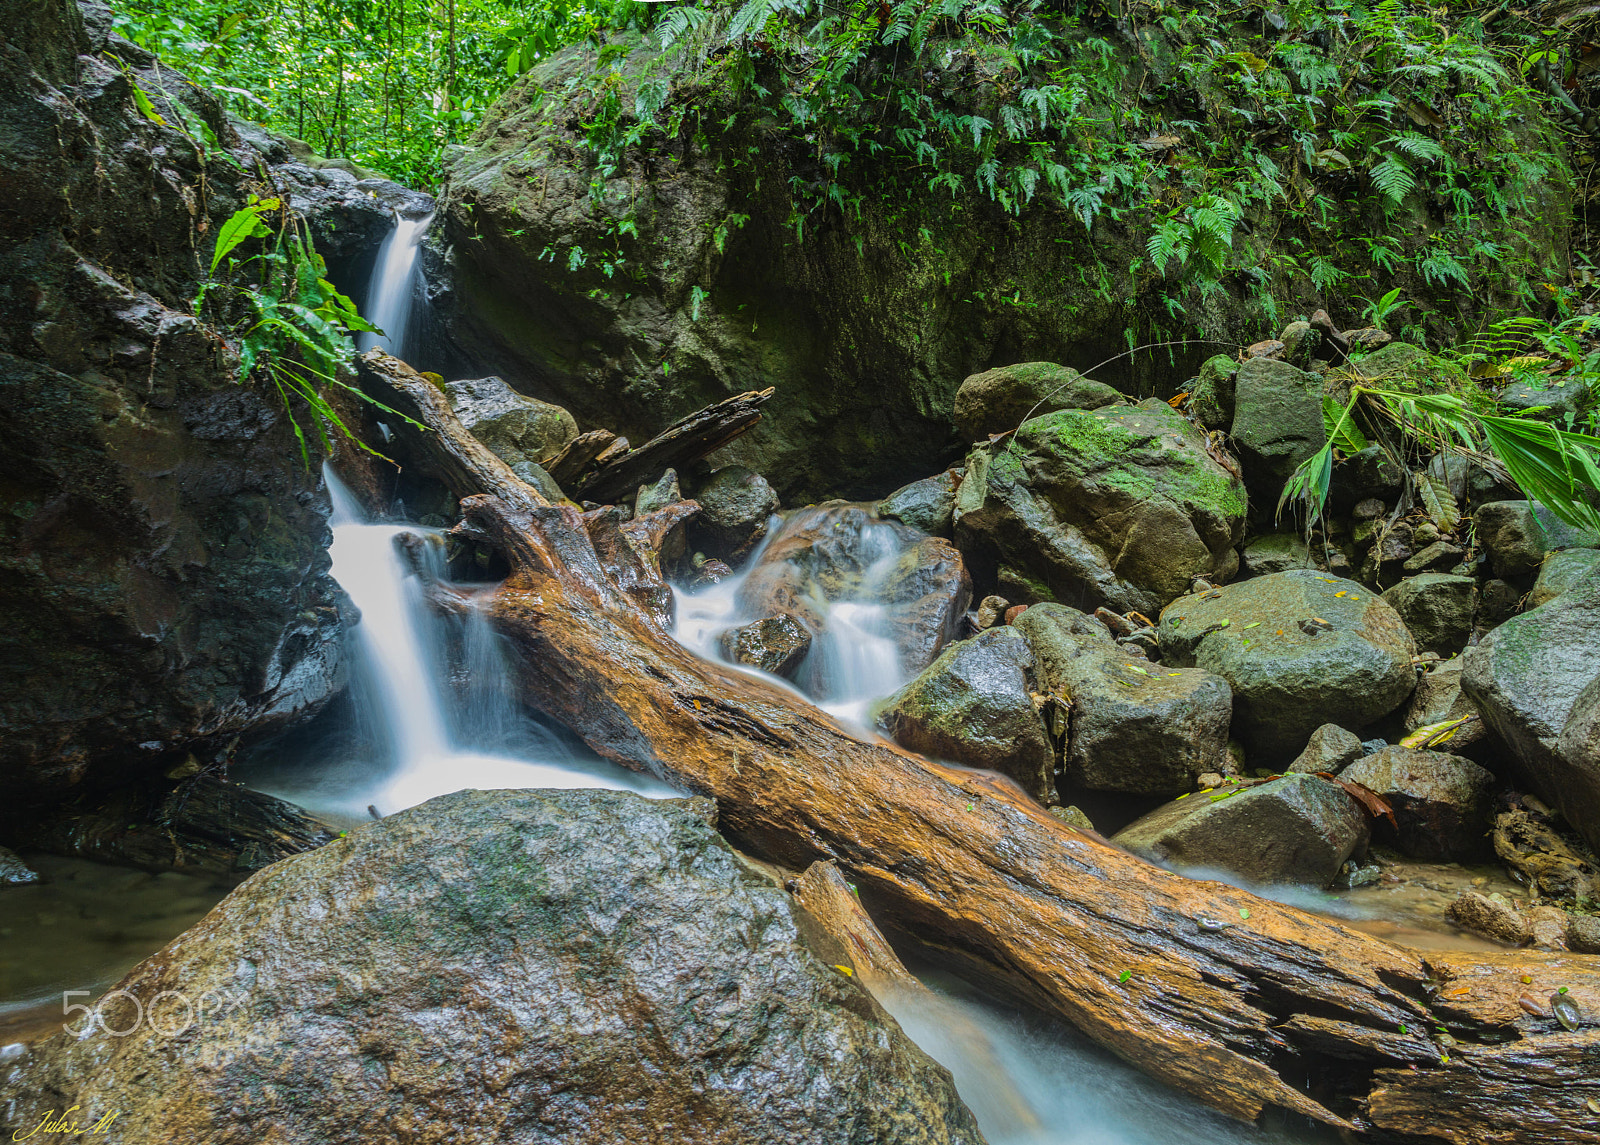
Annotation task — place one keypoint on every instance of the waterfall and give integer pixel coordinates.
(393, 288)
(431, 736)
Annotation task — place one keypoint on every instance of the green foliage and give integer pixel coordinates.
(291, 326)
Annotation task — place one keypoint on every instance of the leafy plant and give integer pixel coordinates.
(1377, 313)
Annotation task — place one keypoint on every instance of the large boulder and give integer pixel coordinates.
(575, 966)
(1295, 829)
(1517, 535)
(1536, 679)
(1277, 418)
(516, 427)
(1135, 727)
(999, 400)
(927, 504)
(1437, 610)
(736, 508)
(974, 705)
(1121, 506)
(1300, 649)
(163, 564)
(1441, 802)
(1559, 571)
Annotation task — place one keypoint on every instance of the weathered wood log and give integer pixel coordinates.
(686, 440)
(578, 455)
(1240, 1001)
(822, 891)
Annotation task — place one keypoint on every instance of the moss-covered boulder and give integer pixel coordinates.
(516, 427)
(999, 400)
(1121, 506)
(1211, 395)
(1299, 649)
(1277, 419)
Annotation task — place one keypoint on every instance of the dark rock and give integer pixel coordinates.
(973, 705)
(1121, 506)
(1323, 324)
(1369, 510)
(664, 492)
(575, 966)
(925, 504)
(1211, 396)
(1297, 829)
(1437, 609)
(1491, 916)
(1072, 817)
(13, 871)
(1441, 802)
(1385, 359)
(537, 476)
(1289, 673)
(1436, 555)
(1368, 338)
(999, 400)
(1276, 552)
(1329, 749)
(1270, 348)
(1517, 535)
(1438, 699)
(1554, 401)
(735, 508)
(516, 427)
(1300, 341)
(1536, 679)
(1528, 843)
(775, 644)
(992, 611)
(1498, 602)
(1559, 571)
(1056, 632)
(1277, 419)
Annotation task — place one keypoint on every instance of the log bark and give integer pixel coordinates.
(1242, 1002)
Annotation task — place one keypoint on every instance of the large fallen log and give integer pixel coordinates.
(1240, 1001)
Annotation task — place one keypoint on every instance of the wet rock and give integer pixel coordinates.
(1547, 926)
(1517, 535)
(735, 507)
(1372, 474)
(536, 475)
(999, 400)
(13, 871)
(1439, 699)
(992, 611)
(1277, 419)
(1498, 602)
(1554, 401)
(1441, 802)
(1300, 341)
(496, 966)
(925, 504)
(775, 644)
(516, 427)
(1329, 749)
(1297, 829)
(1491, 916)
(828, 554)
(1536, 679)
(1121, 507)
(1583, 933)
(973, 705)
(1073, 817)
(1211, 396)
(1435, 554)
(1276, 552)
(1135, 727)
(1559, 571)
(662, 493)
(1299, 650)
(1056, 632)
(1437, 609)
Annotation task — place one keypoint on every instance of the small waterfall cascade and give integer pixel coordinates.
(393, 290)
(831, 567)
(435, 697)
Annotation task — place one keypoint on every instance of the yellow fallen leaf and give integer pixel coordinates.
(845, 970)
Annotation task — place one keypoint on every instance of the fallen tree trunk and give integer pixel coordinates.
(1240, 1001)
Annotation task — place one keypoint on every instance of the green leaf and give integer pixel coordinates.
(1341, 428)
(245, 223)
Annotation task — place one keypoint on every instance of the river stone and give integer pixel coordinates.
(1441, 802)
(1552, 401)
(13, 871)
(572, 966)
(1535, 679)
(775, 644)
(1491, 917)
(1055, 632)
(1276, 552)
(1122, 507)
(1289, 676)
(1560, 571)
(1517, 535)
(1439, 698)
(998, 400)
(735, 507)
(1437, 610)
(1329, 749)
(1277, 418)
(663, 492)
(925, 504)
(1211, 396)
(1296, 829)
(973, 705)
(514, 426)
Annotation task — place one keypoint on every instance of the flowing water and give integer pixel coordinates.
(394, 286)
(435, 696)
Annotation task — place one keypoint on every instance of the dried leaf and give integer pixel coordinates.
(1439, 501)
(1377, 806)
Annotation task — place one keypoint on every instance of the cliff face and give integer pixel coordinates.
(163, 558)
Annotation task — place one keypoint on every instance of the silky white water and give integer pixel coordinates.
(394, 285)
(430, 737)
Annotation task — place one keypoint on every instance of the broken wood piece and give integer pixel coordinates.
(684, 441)
(577, 456)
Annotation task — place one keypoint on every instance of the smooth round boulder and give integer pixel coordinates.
(1121, 506)
(514, 426)
(999, 400)
(1296, 829)
(736, 506)
(1300, 649)
(1441, 802)
(1437, 610)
